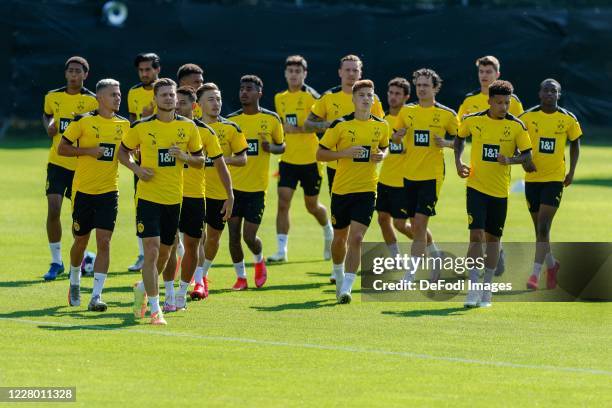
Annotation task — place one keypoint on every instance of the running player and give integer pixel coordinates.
(141, 103)
(358, 141)
(193, 210)
(427, 126)
(338, 102)
(234, 148)
(93, 138)
(263, 130)
(163, 139)
(298, 164)
(550, 127)
(60, 107)
(496, 136)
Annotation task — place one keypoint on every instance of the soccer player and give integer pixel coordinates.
(263, 130)
(93, 138)
(193, 76)
(234, 147)
(298, 164)
(60, 107)
(164, 140)
(478, 100)
(390, 189)
(191, 220)
(358, 141)
(338, 102)
(141, 103)
(496, 136)
(427, 125)
(550, 127)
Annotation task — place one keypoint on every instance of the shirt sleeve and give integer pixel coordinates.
(318, 108)
(131, 139)
(212, 146)
(523, 141)
(47, 106)
(278, 135)
(238, 141)
(400, 123)
(464, 129)
(516, 107)
(575, 131)
(330, 138)
(461, 112)
(377, 109)
(130, 102)
(92, 104)
(384, 140)
(194, 145)
(73, 131)
(452, 125)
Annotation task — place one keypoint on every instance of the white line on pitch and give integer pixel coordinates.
(321, 347)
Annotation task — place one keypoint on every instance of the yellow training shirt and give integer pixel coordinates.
(477, 102)
(140, 98)
(392, 170)
(194, 179)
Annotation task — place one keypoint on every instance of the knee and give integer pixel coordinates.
(356, 239)
(383, 219)
(312, 206)
(476, 236)
(250, 239)
(103, 244)
(54, 210)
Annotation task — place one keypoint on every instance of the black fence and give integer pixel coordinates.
(228, 41)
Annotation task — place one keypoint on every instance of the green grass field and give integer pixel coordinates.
(289, 344)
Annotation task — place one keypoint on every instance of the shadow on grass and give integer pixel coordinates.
(127, 319)
(311, 304)
(449, 311)
(270, 264)
(597, 182)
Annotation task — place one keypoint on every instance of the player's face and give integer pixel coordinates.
(487, 74)
(424, 88)
(193, 80)
(396, 96)
(500, 104)
(75, 75)
(349, 72)
(184, 105)
(249, 93)
(109, 97)
(364, 99)
(549, 93)
(166, 98)
(211, 103)
(295, 75)
(147, 73)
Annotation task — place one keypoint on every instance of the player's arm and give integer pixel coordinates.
(125, 158)
(523, 157)
(314, 123)
(226, 179)
(399, 129)
(195, 160)
(67, 148)
(47, 118)
(239, 159)
(277, 146)
(574, 155)
(463, 170)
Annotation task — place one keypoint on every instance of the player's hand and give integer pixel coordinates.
(292, 129)
(440, 142)
(529, 166)
(96, 152)
(463, 170)
(227, 208)
(377, 157)
(52, 128)
(501, 159)
(148, 110)
(398, 135)
(144, 173)
(353, 151)
(177, 153)
(568, 179)
(265, 146)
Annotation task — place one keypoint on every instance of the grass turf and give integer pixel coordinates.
(289, 344)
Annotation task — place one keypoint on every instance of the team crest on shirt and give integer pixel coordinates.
(560, 126)
(263, 125)
(507, 131)
(221, 134)
(300, 103)
(81, 105)
(376, 133)
(181, 133)
(119, 130)
(436, 118)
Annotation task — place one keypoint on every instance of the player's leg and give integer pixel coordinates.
(192, 226)
(137, 265)
(477, 215)
(234, 227)
(494, 227)
(209, 246)
(168, 237)
(545, 220)
(353, 257)
(167, 267)
(101, 264)
(310, 179)
(253, 214)
(83, 221)
(331, 173)
(285, 195)
(383, 208)
(340, 218)
(59, 184)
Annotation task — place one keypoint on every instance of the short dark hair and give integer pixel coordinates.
(554, 81)
(427, 73)
(297, 60)
(363, 83)
(351, 57)
(147, 56)
(400, 83)
(254, 79)
(209, 86)
(78, 60)
(187, 91)
(500, 87)
(488, 60)
(162, 82)
(188, 69)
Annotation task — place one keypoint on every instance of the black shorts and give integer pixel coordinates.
(307, 175)
(249, 205)
(59, 180)
(214, 218)
(157, 220)
(420, 197)
(191, 221)
(548, 193)
(91, 211)
(391, 200)
(486, 212)
(357, 207)
(330, 178)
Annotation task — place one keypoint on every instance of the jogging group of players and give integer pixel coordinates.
(195, 171)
